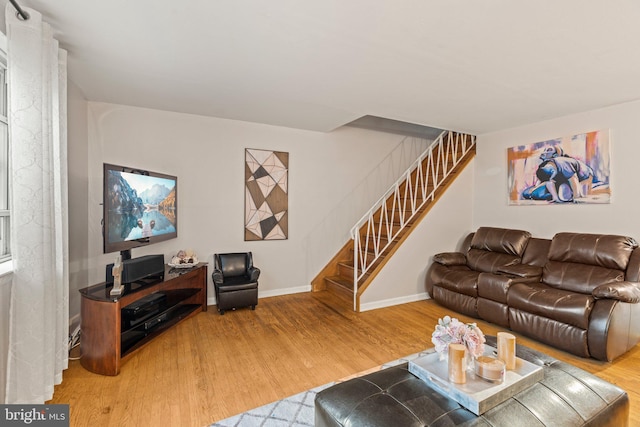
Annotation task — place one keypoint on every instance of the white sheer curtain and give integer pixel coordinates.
(39, 314)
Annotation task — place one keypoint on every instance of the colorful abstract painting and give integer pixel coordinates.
(266, 195)
(573, 169)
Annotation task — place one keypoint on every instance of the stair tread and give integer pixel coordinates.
(341, 287)
(342, 283)
(409, 225)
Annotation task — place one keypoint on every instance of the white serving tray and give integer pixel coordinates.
(477, 395)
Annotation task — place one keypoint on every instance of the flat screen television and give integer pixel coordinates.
(139, 208)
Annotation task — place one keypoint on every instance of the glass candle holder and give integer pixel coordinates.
(490, 369)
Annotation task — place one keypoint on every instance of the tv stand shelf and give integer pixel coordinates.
(113, 328)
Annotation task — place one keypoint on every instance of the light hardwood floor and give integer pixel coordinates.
(211, 367)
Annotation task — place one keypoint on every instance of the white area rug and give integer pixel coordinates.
(297, 410)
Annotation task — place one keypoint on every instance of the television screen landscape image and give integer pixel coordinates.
(140, 207)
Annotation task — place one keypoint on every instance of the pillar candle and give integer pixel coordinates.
(507, 349)
(457, 368)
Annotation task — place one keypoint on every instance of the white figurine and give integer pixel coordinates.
(116, 272)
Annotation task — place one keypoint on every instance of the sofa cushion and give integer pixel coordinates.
(494, 286)
(578, 277)
(536, 252)
(463, 304)
(461, 281)
(494, 312)
(632, 274)
(604, 250)
(501, 240)
(236, 283)
(550, 331)
(563, 306)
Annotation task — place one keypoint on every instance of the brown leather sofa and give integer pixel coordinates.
(577, 292)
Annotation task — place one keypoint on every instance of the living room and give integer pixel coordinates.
(206, 153)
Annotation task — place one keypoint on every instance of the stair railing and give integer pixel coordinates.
(333, 230)
(430, 169)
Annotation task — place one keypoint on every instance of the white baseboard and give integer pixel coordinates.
(284, 291)
(270, 293)
(363, 307)
(393, 301)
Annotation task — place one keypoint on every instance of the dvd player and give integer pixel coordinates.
(142, 309)
(143, 303)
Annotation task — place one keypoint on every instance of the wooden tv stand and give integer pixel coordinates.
(109, 332)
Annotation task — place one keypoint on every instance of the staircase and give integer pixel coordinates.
(380, 232)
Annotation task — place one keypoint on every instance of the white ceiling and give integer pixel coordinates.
(467, 65)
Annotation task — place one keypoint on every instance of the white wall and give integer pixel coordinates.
(207, 155)
(334, 229)
(78, 177)
(619, 217)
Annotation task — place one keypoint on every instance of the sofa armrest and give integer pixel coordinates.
(254, 273)
(217, 277)
(521, 270)
(450, 258)
(621, 291)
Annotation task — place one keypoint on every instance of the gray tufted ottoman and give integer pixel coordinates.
(567, 396)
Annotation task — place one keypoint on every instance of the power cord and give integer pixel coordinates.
(74, 341)
(74, 358)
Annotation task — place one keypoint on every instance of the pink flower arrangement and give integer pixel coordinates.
(451, 330)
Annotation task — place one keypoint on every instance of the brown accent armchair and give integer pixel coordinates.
(235, 280)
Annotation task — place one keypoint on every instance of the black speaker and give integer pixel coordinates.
(135, 269)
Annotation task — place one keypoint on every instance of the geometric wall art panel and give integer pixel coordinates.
(573, 169)
(266, 208)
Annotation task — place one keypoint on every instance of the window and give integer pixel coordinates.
(5, 247)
